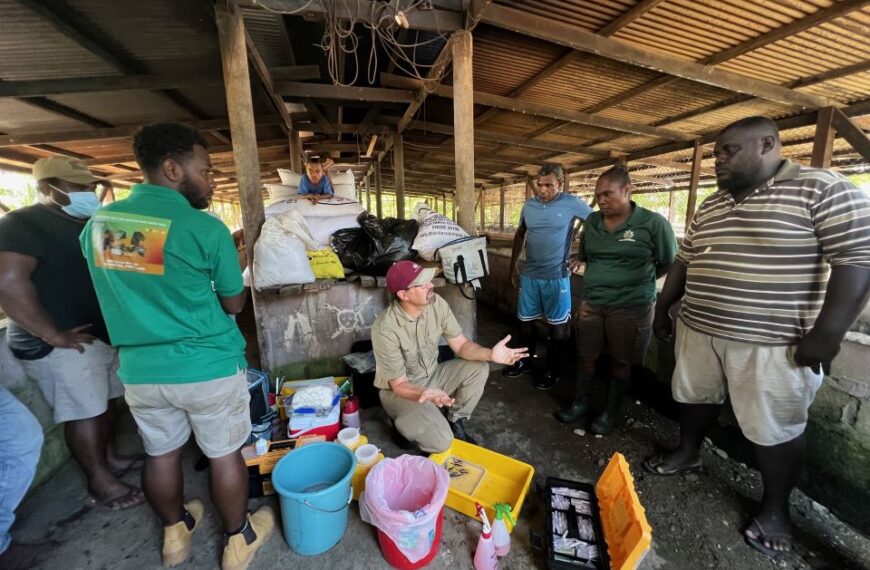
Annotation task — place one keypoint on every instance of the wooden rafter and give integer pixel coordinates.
(536, 109)
(825, 15)
(69, 22)
(582, 40)
(115, 132)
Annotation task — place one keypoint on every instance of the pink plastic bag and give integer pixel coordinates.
(403, 497)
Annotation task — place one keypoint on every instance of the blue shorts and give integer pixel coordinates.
(550, 298)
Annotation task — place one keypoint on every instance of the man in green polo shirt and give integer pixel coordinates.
(625, 248)
(167, 278)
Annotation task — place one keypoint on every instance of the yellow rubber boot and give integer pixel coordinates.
(177, 539)
(237, 553)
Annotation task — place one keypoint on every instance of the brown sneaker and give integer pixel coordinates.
(238, 553)
(176, 538)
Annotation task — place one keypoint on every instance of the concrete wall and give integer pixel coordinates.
(838, 434)
(54, 450)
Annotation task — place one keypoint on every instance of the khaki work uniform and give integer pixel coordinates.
(404, 346)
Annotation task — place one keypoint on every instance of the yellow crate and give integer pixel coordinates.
(506, 480)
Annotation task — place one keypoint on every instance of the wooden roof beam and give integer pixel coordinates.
(367, 11)
(496, 137)
(442, 62)
(48, 87)
(582, 40)
(821, 16)
(116, 132)
(536, 109)
(341, 92)
(66, 20)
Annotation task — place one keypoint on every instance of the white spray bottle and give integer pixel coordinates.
(501, 538)
(485, 557)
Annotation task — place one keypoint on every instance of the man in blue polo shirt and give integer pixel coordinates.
(547, 226)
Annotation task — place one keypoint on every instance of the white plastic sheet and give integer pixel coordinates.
(403, 497)
(327, 208)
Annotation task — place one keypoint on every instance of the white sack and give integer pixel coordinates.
(435, 231)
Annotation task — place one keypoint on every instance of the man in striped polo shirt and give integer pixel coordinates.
(775, 267)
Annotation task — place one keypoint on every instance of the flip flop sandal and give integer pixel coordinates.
(116, 503)
(757, 542)
(657, 466)
(136, 464)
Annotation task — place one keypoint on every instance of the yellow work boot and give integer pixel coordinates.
(177, 539)
(238, 553)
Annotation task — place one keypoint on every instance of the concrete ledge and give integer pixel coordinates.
(54, 450)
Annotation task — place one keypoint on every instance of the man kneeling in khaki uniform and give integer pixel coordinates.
(413, 385)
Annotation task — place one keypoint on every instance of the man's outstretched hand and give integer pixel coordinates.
(501, 354)
(438, 397)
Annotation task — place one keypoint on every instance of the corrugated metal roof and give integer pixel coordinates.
(52, 55)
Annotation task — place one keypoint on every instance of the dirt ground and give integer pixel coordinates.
(696, 519)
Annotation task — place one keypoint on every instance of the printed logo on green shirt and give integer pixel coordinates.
(627, 236)
(129, 242)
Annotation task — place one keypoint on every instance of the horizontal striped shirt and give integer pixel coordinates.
(757, 270)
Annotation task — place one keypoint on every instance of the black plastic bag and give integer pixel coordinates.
(377, 244)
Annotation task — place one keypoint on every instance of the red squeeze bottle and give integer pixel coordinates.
(350, 414)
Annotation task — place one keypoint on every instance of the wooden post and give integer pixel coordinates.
(295, 152)
(501, 208)
(379, 205)
(567, 188)
(463, 125)
(237, 83)
(528, 187)
(444, 204)
(672, 204)
(482, 210)
(823, 144)
(697, 155)
(368, 194)
(399, 175)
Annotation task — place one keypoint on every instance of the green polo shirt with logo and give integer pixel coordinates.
(621, 264)
(158, 267)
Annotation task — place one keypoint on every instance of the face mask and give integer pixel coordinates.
(81, 204)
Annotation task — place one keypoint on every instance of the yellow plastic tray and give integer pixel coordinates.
(626, 530)
(506, 480)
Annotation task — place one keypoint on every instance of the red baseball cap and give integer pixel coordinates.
(405, 274)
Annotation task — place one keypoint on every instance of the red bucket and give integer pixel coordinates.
(398, 560)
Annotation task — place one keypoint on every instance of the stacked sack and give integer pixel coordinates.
(294, 245)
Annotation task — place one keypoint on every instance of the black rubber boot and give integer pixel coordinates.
(606, 423)
(459, 432)
(580, 406)
(578, 410)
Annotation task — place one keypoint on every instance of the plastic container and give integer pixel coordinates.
(622, 532)
(506, 480)
(366, 455)
(501, 538)
(350, 414)
(350, 438)
(485, 557)
(358, 482)
(313, 484)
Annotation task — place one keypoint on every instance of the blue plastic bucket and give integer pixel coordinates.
(313, 485)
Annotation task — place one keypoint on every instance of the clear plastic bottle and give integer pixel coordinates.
(501, 538)
(485, 557)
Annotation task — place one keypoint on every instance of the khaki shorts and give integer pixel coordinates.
(216, 411)
(770, 394)
(78, 386)
(625, 331)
